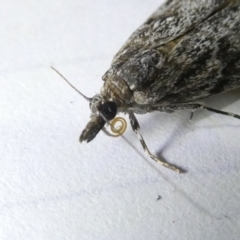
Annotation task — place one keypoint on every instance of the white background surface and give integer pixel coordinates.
(53, 188)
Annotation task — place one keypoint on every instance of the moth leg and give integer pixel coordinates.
(220, 112)
(191, 116)
(136, 129)
(194, 106)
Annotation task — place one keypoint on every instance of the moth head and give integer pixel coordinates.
(102, 113)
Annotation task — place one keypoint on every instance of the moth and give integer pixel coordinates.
(186, 51)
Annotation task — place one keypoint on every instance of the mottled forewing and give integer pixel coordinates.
(205, 62)
(186, 51)
(171, 20)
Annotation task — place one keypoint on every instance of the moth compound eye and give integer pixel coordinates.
(108, 110)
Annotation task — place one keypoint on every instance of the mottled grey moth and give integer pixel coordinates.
(186, 51)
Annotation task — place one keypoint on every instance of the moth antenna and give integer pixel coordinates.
(54, 69)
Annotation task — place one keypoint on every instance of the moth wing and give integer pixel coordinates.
(205, 62)
(173, 19)
(186, 51)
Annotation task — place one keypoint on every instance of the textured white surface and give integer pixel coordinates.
(53, 188)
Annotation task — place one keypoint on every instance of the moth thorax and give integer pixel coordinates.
(116, 89)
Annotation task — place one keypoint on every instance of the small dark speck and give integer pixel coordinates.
(175, 220)
(159, 198)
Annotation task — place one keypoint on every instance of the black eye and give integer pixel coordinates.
(108, 110)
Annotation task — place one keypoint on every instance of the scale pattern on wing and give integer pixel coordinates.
(205, 62)
(170, 21)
